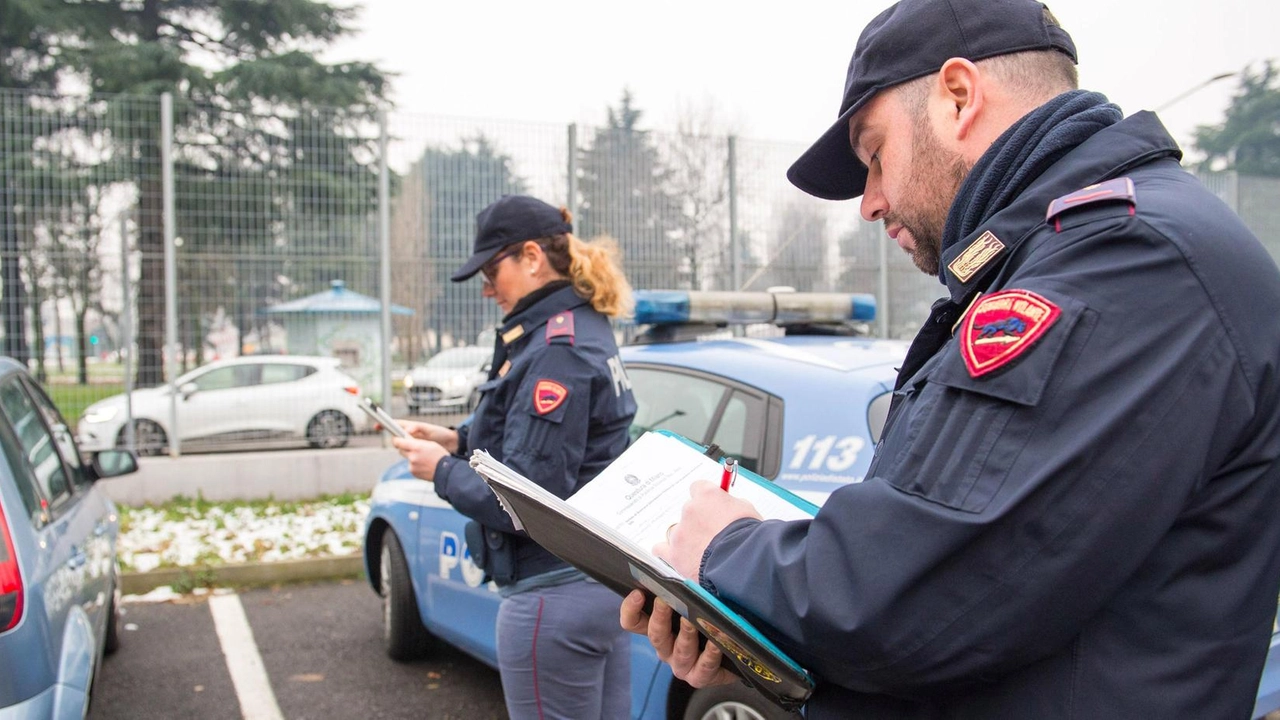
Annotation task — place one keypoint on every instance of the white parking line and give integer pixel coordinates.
(248, 675)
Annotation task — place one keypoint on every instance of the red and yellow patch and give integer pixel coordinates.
(548, 395)
(1002, 326)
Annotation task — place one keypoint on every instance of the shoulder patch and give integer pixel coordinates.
(548, 395)
(1001, 326)
(1117, 190)
(560, 326)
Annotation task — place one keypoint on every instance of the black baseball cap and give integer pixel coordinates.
(510, 219)
(911, 39)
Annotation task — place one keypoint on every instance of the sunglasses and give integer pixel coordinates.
(490, 269)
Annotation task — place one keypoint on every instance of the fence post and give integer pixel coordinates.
(384, 259)
(572, 204)
(170, 269)
(883, 313)
(735, 257)
(126, 333)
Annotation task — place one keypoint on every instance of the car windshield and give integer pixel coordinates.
(459, 358)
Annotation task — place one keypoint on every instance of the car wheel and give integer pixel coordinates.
(148, 438)
(329, 429)
(734, 701)
(111, 642)
(402, 631)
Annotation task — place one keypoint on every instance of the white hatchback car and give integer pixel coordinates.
(241, 399)
(448, 380)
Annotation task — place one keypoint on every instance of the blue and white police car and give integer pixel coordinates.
(802, 404)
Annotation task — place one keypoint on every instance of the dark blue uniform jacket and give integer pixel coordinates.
(558, 439)
(1089, 531)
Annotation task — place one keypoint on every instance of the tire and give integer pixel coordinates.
(148, 438)
(328, 429)
(403, 634)
(111, 642)
(735, 701)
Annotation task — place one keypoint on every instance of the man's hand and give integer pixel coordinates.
(423, 455)
(708, 511)
(680, 651)
(446, 438)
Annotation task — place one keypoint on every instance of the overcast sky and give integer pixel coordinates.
(772, 70)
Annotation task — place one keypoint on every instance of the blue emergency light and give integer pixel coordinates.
(657, 307)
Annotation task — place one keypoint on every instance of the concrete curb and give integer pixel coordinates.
(245, 575)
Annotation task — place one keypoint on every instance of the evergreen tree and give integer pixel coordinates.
(624, 194)
(1248, 139)
(241, 72)
(458, 184)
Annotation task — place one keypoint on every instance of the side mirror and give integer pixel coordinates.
(112, 463)
(187, 390)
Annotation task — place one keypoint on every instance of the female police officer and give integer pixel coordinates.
(556, 408)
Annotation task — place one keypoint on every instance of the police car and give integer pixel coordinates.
(801, 404)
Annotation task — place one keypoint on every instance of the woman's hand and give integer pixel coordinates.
(423, 454)
(443, 436)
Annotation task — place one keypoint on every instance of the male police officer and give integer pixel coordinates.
(1071, 513)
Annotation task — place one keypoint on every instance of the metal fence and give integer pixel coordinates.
(142, 237)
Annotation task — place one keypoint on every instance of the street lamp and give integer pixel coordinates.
(1206, 83)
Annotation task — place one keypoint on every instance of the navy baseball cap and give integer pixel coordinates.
(911, 39)
(510, 219)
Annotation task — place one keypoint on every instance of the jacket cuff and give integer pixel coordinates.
(724, 535)
(441, 477)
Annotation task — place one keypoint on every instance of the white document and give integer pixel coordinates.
(642, 493)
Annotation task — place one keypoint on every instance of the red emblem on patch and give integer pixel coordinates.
(547, 396)
(1001, 326)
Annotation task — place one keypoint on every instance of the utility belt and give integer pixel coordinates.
(507, 558)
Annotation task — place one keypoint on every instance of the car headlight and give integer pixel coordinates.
(99, 415)
(408, 381)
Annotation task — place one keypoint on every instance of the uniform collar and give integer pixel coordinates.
(971, 263)
(520, 322)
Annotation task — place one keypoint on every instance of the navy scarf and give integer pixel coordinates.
(1020, 154)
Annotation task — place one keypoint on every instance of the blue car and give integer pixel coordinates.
(59, 580)
(803, 409)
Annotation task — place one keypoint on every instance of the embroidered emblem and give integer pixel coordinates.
(548, 395)
(1002, 326)
(560, 326)
(1120, 189)
(512, 335)
(974, 257)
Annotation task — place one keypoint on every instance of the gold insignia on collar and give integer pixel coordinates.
(502, 371)
(511, 335)
(978, 254)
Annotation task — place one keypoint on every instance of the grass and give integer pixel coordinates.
(71, 400)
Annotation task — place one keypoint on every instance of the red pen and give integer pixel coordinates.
(730, 474)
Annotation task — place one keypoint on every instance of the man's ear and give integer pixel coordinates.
(961, 90)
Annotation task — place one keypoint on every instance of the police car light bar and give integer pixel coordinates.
(655, 307)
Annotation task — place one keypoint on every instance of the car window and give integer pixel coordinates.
(62, 434)
(740, 428)
(877, 415)
(39, 448)
(228, 377)
(466, 358)
(681, 403)
(23, 476)
(278, 373)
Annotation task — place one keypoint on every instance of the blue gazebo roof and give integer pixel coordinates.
(337, 300)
